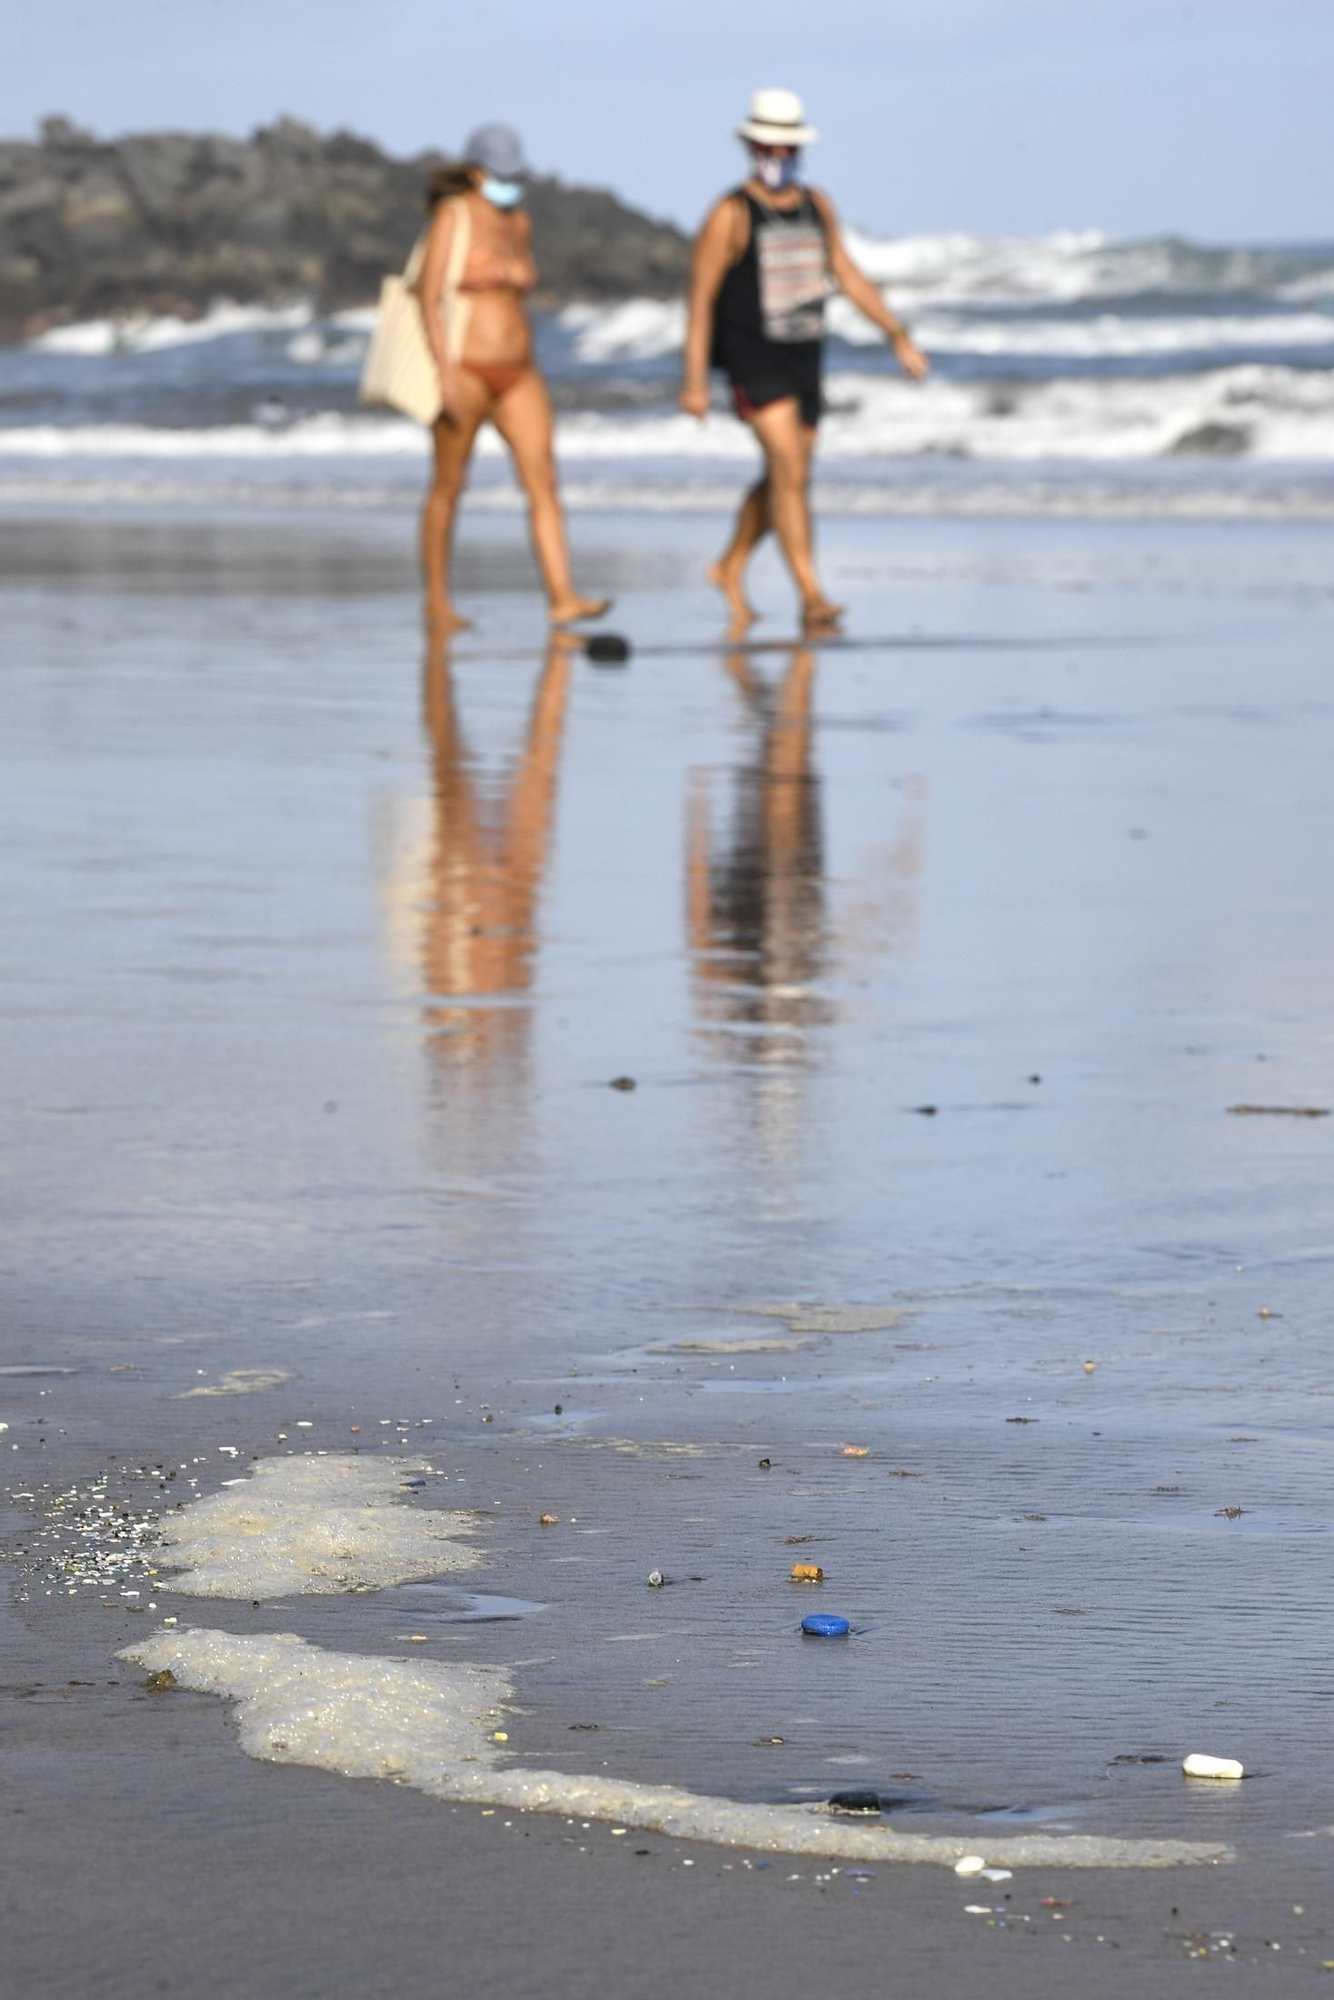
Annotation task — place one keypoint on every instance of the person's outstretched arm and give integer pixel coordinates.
(854, 284)
(708, 267)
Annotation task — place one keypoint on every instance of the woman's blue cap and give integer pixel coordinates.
(498, 150)
(821, 1625)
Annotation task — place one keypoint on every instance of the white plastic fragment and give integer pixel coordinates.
(997, 1874)
(970, 1864)
(1197, 1765)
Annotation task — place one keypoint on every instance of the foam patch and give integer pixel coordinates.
(831, 1318)
(314, 1526)
(774, 1345)
(240, 1382)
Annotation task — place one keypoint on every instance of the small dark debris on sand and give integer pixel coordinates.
(855, 1802)
(1278, 1110)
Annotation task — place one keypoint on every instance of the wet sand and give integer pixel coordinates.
(937, 961)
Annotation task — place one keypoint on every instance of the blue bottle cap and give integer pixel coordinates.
(821, 1625)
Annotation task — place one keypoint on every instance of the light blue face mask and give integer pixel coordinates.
(501, 194)
(775, 172)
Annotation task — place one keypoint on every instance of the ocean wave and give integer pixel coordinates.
(1068, 266)
(325, 436)
(1254, 411)
(1109, 336)
(146, 333)
(630, 330)
(1066, 269)
(651, 329)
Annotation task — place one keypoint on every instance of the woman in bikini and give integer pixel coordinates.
(476, 322)
(767, 257)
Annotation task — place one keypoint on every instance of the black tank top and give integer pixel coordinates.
(775, 292)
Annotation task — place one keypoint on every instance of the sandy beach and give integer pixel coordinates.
(754, 1105)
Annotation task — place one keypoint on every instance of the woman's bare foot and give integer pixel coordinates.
(442, 619)
(727, 577)
(819, 615)
(573, 610)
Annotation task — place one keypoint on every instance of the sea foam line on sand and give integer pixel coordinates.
(432, 1726)
(316, 1526)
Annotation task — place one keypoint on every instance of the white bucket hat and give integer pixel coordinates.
(777, 118)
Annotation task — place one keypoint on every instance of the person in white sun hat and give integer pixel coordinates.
(767, 257)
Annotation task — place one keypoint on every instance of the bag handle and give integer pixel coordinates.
(457, 310)
(457, 307)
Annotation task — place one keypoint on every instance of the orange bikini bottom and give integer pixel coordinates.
(497, 378)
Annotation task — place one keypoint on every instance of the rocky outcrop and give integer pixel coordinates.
(171, 221)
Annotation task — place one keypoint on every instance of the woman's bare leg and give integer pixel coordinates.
(452, 445)
(788, 445)
(753, 522)
(523, 418)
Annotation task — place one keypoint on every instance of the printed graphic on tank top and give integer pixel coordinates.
(792, 259)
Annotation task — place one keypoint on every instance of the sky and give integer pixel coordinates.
(1209, 118)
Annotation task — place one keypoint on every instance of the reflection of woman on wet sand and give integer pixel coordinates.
(479, 332)
(486, 866)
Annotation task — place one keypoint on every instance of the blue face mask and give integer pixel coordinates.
(775, 172)
(501, 194)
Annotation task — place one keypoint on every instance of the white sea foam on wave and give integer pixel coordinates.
(631, 330)
(325, 436)
(1111, 336)
(433, 1725)
(1317, 285)
(1066, 266)
(143, 334)
(649, 329)
(1268, 412)
(1272, 412)
(1260, 411)
(1264, 411)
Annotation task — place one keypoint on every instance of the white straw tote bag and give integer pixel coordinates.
(400, 371)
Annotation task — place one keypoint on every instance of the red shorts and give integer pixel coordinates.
(809, 403)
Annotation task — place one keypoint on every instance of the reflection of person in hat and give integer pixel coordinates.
(765, 261)
(478, 328)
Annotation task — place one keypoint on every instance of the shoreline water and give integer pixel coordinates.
(322, 974)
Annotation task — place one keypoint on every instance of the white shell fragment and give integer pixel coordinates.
(997, 1874)
(1199, 1766)
(970, 1864)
